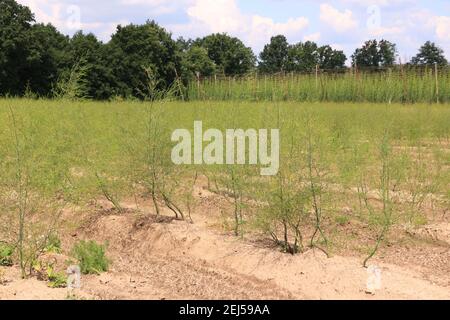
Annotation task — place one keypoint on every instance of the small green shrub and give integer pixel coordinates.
(91, 257)
(56, 279)
(6, 252)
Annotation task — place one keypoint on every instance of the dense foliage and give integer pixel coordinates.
(430, 54)
(280, 56)
(375, 54)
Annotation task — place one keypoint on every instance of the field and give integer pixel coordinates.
(359, 184)
(396, 85)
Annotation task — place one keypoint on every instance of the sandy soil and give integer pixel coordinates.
(169, 259)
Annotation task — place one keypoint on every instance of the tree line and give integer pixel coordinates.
(36, 58)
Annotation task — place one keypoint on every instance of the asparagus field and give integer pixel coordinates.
(396, 85)
(353, 179)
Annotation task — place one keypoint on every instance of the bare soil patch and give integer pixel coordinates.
(163, 258)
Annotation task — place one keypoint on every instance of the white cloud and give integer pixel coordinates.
(157, 7)
(207, 16)
(262, 29)
(45, 11)
(386, 31)
(315, 37)
(217, 15)
(68, 18)
(337, 46)
(443, 28)
(152, 3)
(339, 21)
(381, 3)
(428, 24)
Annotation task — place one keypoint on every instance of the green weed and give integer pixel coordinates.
(91, 257)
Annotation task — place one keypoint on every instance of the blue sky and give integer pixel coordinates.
(344, 24)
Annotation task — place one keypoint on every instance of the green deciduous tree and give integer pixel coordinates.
(430, 54)
(331, 59)
(302, 56)
(31, 55)
(46, 60)
(197, 60)
(95, 56)
(184, 44)
(375, 54)
(279, 56)
(229, 54)
(137, 48)
(274, 57)
(15, 24)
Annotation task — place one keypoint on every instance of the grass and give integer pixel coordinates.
(91, 257)
(56, 279)
(383, 161)
(6, 252)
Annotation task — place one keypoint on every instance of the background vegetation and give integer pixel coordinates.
(387, 85)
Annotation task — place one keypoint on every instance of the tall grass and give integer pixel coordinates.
(399, 85)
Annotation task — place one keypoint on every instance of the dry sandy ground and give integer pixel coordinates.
(169, 259)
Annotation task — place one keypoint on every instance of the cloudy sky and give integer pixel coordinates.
(344, 24)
